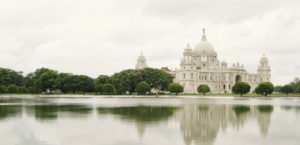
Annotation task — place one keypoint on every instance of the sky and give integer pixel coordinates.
(94, 37)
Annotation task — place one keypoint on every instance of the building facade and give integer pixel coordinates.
(202, 66)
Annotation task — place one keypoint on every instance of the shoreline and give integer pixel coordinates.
(145, 96)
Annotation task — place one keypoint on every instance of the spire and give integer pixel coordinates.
(203, 36)
(188, 46)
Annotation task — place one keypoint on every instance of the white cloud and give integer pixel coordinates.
(102, 37)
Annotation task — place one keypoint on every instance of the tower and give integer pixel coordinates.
(264, 69)
(187, 54)
(141, 62)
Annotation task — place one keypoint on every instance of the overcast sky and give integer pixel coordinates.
(93, 37)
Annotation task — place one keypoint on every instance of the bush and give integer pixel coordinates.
(3, 89)
(12, 89)
(287, 89)
(264, 88)
(22, 90)
(241, 88)
(142, 88)
(203, 89)
(108, 89)
(175, 88)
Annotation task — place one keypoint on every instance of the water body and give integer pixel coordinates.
(149, 121)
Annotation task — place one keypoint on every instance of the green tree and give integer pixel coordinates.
(77, 84)
(142, 88)
(9, 77)
(38, 72)
(158, 79)
(137, 76)
(100, 81)
(3, 89)
(287, 89)
(49, 80)
(65, 84)
(264, 88)
(203, 89)
(21, 90)
(277, 89)
(121, 81)
(108, 89)
(241, 88)
(175, 88)
(297, 89)
(12, 88)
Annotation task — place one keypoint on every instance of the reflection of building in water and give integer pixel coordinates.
(141, 128)
(201, 124)
(264, 121)
(264, 118)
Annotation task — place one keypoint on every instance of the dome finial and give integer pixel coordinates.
(203, 37)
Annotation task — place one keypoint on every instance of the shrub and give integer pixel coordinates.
(203, 89)
(108, 89)
(142, 88)
(287, 89)
(264, 88)
(175, 88)
(12, 89)
(3, 89)
(241, 88)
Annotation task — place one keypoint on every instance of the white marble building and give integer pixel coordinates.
(202, 66)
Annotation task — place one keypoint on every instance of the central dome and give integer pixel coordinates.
(203, 47)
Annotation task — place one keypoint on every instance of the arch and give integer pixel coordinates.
(238, 78)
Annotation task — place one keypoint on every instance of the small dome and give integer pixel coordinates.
(204, 47)
(188, 49)
(141, 56)
(224, 62)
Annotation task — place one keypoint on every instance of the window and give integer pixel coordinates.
(192, 75)
(184, 75)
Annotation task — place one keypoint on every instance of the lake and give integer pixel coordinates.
(149, 121)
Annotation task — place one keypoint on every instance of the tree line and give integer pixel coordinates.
(45, 80)
(145, 81)
(292, 87)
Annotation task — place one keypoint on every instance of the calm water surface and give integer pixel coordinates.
(149, 121)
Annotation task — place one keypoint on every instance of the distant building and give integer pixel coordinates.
(202, 66)
(141, 62)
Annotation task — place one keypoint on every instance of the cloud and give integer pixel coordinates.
(102, 37)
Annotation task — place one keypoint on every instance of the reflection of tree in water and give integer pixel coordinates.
(51, 111)
(241, 109)
(10, 100)
(9, 111)
(141, 115)
(201, 124)
(289, 108)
